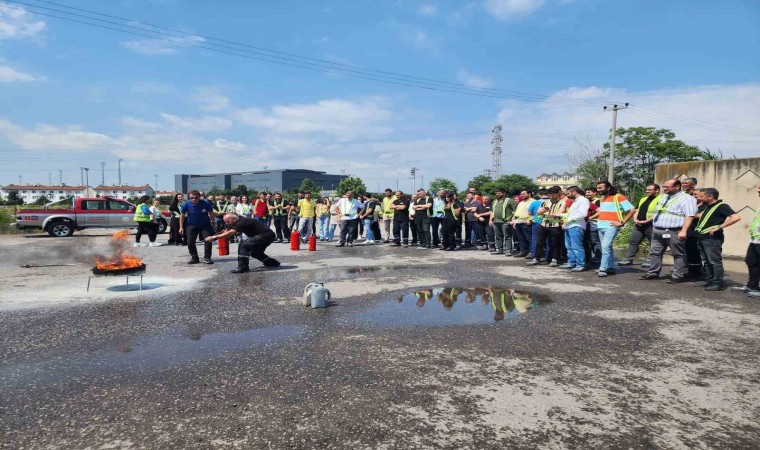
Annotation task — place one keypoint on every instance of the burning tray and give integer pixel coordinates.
(129, 271)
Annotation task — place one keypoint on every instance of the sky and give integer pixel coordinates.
(368, 88)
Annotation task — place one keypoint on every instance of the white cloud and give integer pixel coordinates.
(512, 9)
(10, 75)
(132, 122)
(342, 119)
(210, 99)
(473, 81)
(322, 40)
(161, 47)
(19, 24)
(200, 124)
(45, 137)
(427, 10)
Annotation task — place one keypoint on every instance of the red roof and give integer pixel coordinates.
(41, 187)
(122, 188)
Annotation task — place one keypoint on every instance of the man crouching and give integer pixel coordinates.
(259, 238)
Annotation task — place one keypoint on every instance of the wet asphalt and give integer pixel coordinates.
(239, 363)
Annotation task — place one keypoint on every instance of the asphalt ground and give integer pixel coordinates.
(206, 359)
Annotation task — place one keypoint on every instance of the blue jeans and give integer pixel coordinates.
(331, 231)
(368, 229)
(607, 238)
(576, 254)
(322, 225)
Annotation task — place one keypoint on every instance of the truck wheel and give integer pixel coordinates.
(60, 229)
(161, 226)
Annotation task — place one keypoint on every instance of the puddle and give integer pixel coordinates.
(454, 306)
(147, 353)
(134, 287)
(339, 273)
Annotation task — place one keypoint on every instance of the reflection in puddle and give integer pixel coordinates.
(147, 353)
(454, 306)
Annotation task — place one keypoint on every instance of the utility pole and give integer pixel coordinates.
(611, 165)
(50, 179)
(81, 174)
(20, 177)
(102, 173)
(156, 185)
(87, 175)
(120, 160)
(422, 183)
(496, 152)
(60, 177)
(414, 179)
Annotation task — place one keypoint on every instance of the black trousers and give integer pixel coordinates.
(469, 228)
(693, 258)
(423, 230)
(449, 232)
(753, 264)
(376, 230)
(480, 232)
(281, 227)
(435, 223)
(413, 231)
(174, 236)
(458, 230)
(555, 234)
(254, 247)
(149, 228)
(400, 229)
(193, 232)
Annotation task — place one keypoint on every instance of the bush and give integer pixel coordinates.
(622, 239)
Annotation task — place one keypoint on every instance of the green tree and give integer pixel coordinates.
(14, 198)
(442, 183)
(309, 186)
(511, 183)
(242, 191)
(478, 182)
(353, 184)
(213, 191)
(41, 200)
(165, 199)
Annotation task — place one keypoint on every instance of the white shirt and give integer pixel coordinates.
(348, 208)
(576, 215)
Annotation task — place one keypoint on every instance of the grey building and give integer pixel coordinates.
(262, 180)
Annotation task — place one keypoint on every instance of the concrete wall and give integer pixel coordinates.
(736, 180)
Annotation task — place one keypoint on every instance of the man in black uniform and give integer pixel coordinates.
(259, 238)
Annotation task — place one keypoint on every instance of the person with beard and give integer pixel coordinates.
(675, 212)
(423, 210)
(470, 208)
(367, 215)
(551, 230)
(643, 215)
(198, 216)
(387, 214)
(400, 220)
(521, 224)
(438, 215)
(484, 227)
(614, 212)
(460, 221)
(716, 216)
(694, 268)
(535, 221)
(279, 209)
(502, 212)
(412, 228)
(259, 238)
(348, 209)
(574, 226)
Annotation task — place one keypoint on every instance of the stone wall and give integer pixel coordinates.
(736, 180)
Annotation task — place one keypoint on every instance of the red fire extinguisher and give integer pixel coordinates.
(312, 243)
(295, 240)
(223, 246)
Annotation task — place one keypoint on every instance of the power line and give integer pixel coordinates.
(291, 59)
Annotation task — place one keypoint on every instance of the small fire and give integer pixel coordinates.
(121, 259)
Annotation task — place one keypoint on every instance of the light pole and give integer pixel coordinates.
(102, 173)
(611, 166)
(120, 160)
(156, 188)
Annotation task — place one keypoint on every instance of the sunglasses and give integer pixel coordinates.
(194, 198)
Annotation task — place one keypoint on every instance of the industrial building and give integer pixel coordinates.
(261, 181)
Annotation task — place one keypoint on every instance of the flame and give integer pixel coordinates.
(121, 259)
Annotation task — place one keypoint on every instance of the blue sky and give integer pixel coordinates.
(75, 95)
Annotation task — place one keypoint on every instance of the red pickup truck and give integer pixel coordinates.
(99, 212)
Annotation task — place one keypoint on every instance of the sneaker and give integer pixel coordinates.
(753, 294)
(649, 276)
(602, 273)
(271, 262)
(742, 289)
(554, 263)
(567, 266)
(529, 256)
(625, 262)
(207, 261)
(194, 261)
(715, 287)
(350, 244)
(341, 245)
(676, 281)
(532, 262)
(578, 269)
(155, 244)
(703, 283)
(138, 244)
(646, 265)
(522, 255)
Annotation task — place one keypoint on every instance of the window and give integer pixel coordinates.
(34, 192)
(91, 205)
(119, 206)
(113, 192)
(60, 192)
(544, 179)
(566, 178)
(554, 178)
(123, 192)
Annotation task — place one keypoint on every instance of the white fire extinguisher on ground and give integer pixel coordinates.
(316, 295)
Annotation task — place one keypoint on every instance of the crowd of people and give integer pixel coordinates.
(574, 229)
